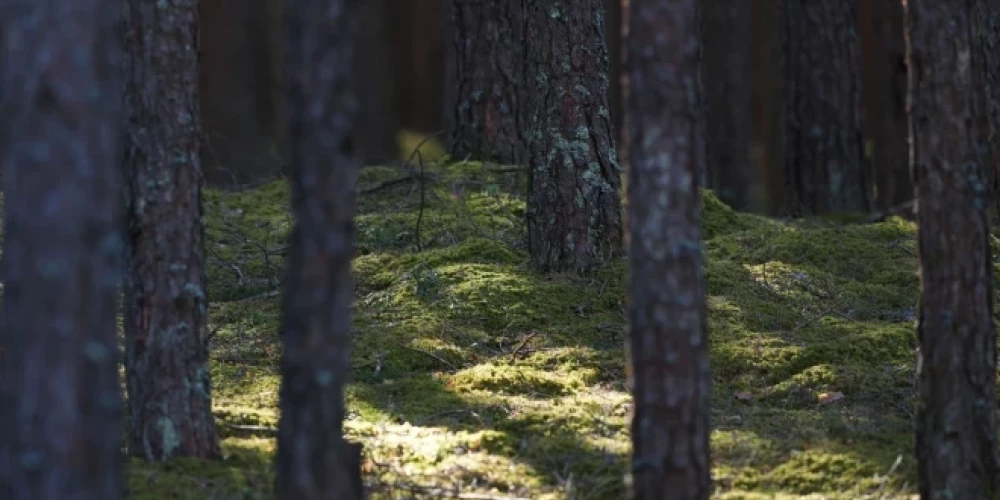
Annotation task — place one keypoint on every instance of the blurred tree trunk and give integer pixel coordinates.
(374, 138)
(484, 76)
(313, 461)
(767, 94)
(988, 23)
(60, 148)
(956, 441)
(669, 345)
(884, 70)
(419, 27)
(727, 101)
(237, 85)
(574, 204)
(166, 356)
(825, 167)
(614, 39)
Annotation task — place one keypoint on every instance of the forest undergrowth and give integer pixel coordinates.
(477, 378)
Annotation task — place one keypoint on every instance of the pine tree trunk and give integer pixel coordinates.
(484, 66)
(956, 420)
(727, 99)
(63, 239)
(614, 38)
(884, 52)
(314, 461)
(419, 39)
(374, 139)
(988, 22)
(825, 167)
(669, 346)
(574, 204)
(166, 356)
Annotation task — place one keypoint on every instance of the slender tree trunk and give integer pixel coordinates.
(727, 98)
(825, 167)
(419, 27)
(60, 403)
(314, 461)
(884, 73)
(956, 441)
(166, 356)
(614, 37)
(574, 204)
(767, 87)
(669, 346)
(374, 138)
(485, 72)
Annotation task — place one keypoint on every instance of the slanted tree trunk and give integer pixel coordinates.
(727, 98)
(314, 461)
(574, 204)
(166, 356)
(60, 147)
(669, 346)
(825, 168)
(956, 441)
(374, 140)
(884, 70)
(484, 76)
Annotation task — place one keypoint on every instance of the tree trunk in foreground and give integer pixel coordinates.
(484, 71)
(574, 204)
(314, 461)
(727, 95)
(956, 420)
(60, 148)
(669, 346)
(825, 168)
(166, 356)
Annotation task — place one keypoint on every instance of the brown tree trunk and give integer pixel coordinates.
(419, 27)
(166, 356)
(60, 147)
(614, 38)
(574, 204)
(241, 144)
(484, 76)
(669, 346)
(825, 166)
(727, 101)
(767, 91)
(884, 71)
(374, 139)
(956, 441)
(314, 462)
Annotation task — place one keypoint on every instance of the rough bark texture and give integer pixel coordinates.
(884, 70)
(237, 86)
(825, 167)
(956, 420)
(166, 356)
(574, 204)
(60, 147)
(727, 100)
(484, 62)
(374, 138)
(669, 346)
(314, 461)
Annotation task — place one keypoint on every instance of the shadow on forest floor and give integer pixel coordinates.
(474, 374)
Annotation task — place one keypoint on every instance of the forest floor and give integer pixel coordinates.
(476, 378)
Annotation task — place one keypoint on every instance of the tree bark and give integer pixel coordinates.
(956, 419)
(614, 38)
(166, 356)
(574, 204)
(669, 346)
(884, 71)
(484, 73)
(767, 87)
(825, 167)
(419, 27)
(988, 23)
(63, 240)
(727, 97)
(314, 461)
(374, 140)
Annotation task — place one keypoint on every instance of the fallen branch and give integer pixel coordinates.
(905, 210)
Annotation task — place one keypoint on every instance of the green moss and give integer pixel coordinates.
(472, 371)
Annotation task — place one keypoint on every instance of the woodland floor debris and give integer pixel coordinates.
(474, 376)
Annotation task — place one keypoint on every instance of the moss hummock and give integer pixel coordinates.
(474, 374)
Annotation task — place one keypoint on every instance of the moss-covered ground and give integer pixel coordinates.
(473, 375)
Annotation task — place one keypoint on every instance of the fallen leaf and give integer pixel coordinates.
(743, 396)
(830, 397)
